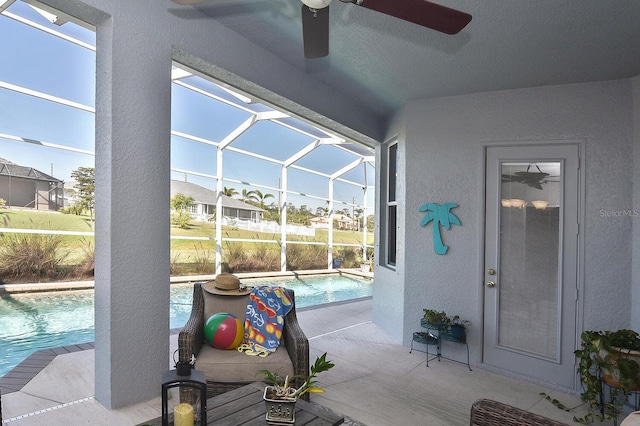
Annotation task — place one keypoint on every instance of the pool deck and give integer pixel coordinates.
(376, 381)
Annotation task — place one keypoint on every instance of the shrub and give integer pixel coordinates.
(86, 267)
(235, 256)
(3, 203)
(30, 255)
(181, 219)
(306, 256)
(266, 257)
(202, 260)
(350, 256)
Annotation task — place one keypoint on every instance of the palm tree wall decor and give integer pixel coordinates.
(440, 215)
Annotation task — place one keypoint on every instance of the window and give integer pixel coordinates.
(390, 204)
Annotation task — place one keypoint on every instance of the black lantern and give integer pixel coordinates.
(184, 397)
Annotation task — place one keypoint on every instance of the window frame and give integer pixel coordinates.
(389, 203)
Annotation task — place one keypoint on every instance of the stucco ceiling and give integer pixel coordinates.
(383, 62)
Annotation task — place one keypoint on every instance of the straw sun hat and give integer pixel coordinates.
(227, 285)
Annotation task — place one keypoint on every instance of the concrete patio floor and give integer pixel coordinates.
(375, 381)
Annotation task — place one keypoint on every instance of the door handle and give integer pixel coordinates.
(491, 284)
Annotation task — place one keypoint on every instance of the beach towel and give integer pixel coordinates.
(264, 320)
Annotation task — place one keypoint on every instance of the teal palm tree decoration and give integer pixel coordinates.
(440, 215)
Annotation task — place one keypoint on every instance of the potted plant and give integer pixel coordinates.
(433, 317)
(451, 327)
(366, 265)
(611, 357)
(280, 396)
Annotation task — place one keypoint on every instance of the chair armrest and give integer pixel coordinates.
(486, 412)
(296, 343)
(191, 337)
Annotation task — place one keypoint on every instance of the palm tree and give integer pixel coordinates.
(229, 192)
(440, 215)
(260, 197)
(248, 195)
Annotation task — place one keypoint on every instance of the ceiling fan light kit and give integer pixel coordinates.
(317, 4)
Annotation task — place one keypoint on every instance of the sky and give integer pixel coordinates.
(39, 61)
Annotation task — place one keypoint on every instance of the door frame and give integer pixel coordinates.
(581, 144)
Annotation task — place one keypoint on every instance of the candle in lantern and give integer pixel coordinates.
(183, 415)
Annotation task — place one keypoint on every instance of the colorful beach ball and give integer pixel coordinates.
(223, 331)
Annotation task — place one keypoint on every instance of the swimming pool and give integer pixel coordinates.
(35, 321)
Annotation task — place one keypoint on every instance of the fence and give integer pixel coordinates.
(270, 227)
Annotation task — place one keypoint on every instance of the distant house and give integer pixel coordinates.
(204, 205)
(22, 186)
(343, 222)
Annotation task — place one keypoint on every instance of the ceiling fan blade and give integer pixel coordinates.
(421, 12)
(315, 31)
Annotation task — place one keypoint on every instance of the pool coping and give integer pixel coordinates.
(84, 285)
(22, 373)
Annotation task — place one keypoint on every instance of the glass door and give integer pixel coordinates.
(530, 261)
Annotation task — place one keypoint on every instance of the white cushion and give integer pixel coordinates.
(632, 419)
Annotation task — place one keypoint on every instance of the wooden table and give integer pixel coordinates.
(245, 406)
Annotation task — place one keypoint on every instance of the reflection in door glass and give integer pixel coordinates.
(529, 300)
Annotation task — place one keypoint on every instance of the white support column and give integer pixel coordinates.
(364, 226)
(330, 230)
(133, 148)
(364, 213)
(283, 219)
(243, 127)
(219, 210)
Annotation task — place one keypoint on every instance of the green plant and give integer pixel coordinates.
(432, 316)
(202, 259)
(602, 355)
(282, 386)
(440, 317)
(30, 255)
(181, 219)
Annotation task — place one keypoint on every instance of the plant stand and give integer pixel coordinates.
(614, 395)
(434, 336)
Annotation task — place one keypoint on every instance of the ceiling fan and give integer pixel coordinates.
(532, 179)
(315, 18)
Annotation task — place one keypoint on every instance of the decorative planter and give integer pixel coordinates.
(279, 411)
(612, 376)
(365, 267)
(457, 333)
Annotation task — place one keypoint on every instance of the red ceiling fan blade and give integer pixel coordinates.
(421, 12)
(315, 31)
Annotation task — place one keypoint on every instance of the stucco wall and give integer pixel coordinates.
(443, 155)
(635, 287)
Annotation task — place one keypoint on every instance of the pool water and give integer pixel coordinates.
(36, 321)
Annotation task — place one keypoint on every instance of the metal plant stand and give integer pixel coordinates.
(434, 335)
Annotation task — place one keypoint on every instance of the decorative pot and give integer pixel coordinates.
(365, 267)
(612, 376)
(458, 333)
(279, 411)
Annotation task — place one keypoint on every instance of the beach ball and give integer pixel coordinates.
(223, 331)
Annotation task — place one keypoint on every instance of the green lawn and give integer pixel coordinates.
(181, 250)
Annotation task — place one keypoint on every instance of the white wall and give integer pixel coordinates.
(443, 156)
(635, 286)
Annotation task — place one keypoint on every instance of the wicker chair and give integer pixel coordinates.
(191, 341)
(486, 412)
